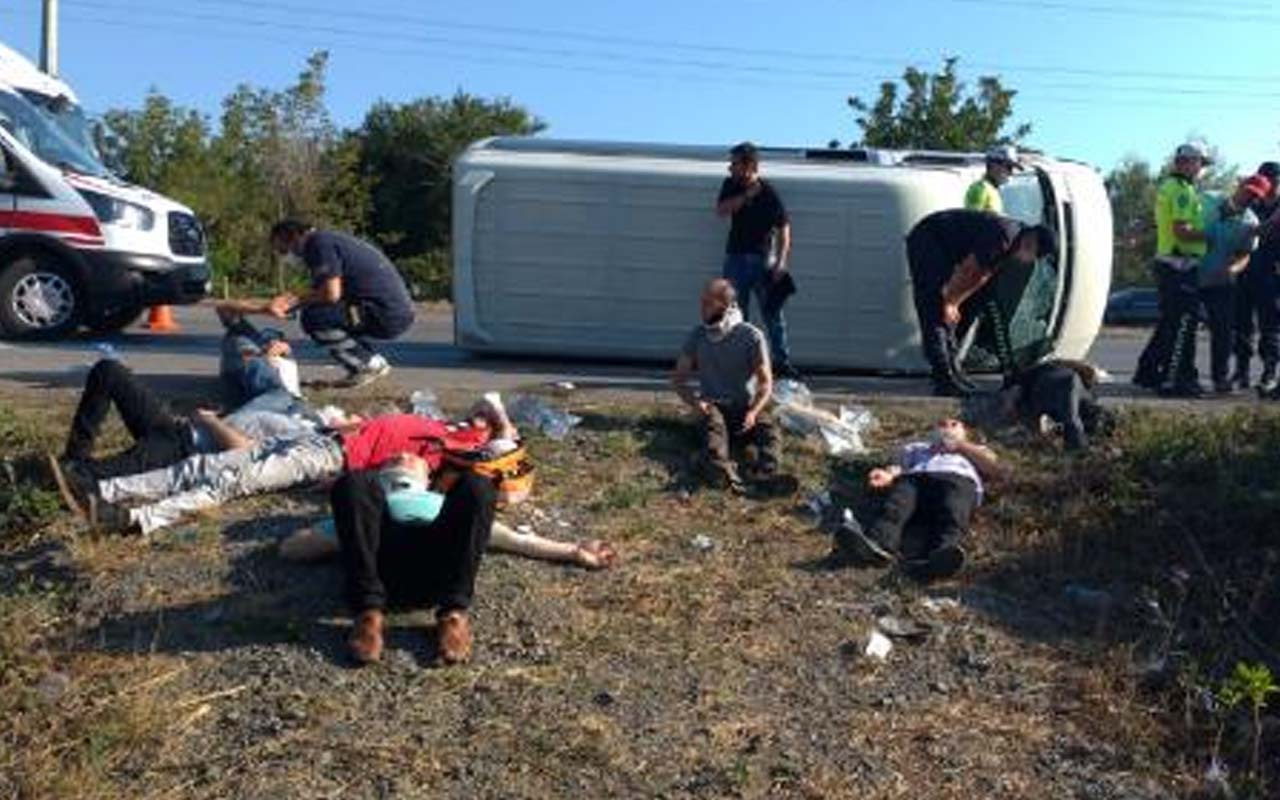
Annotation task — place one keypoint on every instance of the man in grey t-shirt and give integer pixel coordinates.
(735, 381)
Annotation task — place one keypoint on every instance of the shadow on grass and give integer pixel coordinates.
(269, 601)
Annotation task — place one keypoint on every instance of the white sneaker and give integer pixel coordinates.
(375, 369)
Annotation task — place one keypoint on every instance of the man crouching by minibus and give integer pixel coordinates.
(403, 545)
(735, 382)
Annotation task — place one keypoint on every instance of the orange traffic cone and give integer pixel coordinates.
(160, 320)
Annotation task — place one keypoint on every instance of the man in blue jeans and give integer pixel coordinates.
(356, 294)
(757, 213)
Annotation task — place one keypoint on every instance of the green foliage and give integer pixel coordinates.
(407, 152)
(1132, 189)
(938, 113)
(276, 153)
(1248, 686)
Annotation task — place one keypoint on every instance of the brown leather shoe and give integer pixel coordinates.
(366, 639)
(453, 630)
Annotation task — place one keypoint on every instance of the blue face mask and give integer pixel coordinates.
(412, 506)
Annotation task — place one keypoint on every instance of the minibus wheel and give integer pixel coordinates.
(39, 296)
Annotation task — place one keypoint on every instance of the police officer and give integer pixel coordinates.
(1257, 294)
(984, 193)
(1180, 244)
(952, 254)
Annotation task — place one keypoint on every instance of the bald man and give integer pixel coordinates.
(731, 362)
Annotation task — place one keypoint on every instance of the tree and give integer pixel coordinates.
(1132, 189)
(406, 153)
(274, 153)
(937, 113)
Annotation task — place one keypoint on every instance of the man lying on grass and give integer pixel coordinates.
(735, 383)
(1063, 391)
(149, 501)
(938, 483)
(257, 370)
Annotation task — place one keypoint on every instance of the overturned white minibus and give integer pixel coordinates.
(594, 249)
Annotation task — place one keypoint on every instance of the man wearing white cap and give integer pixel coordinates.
(984, 193)
(1180, 244)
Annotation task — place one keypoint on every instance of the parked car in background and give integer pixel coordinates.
(1136, 306)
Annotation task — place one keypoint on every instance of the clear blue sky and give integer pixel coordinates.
(1097, 78)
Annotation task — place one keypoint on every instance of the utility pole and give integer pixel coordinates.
(49, 39)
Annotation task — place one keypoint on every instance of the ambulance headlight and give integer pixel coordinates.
(112, 211)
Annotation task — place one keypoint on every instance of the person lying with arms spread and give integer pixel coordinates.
(938, 482)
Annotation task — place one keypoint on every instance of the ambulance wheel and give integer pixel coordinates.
(114, 320)
(39, 297)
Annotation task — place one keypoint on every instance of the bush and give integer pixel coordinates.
(429, 275)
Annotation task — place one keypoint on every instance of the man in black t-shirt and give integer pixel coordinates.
(356, 294)
(952, 254)
(1258, 294)
(757, 213)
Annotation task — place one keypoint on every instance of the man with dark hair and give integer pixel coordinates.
(758, 251)
(1257, 295)
(356, 294)
(952, 255)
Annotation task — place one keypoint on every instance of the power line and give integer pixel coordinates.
(631, 41)
(656, 61)
(1122, 11)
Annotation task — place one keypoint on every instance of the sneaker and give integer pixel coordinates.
(375, 369)
(365, 643)
(1150, 382)
(853, 542)
(943, 562)
(453, 631)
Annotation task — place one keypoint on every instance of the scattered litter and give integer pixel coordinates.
(841, 433)
(935, 605)
(878, 646)
(702, 543)
(534, 412)
(564, 386)
(524, 530)
(560, 523)
(331, 415)
(1217, 780)
(425, 404)
(900, 628)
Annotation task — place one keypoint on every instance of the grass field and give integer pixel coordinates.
(1107, 597)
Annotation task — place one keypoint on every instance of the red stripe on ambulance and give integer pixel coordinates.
(77, 227)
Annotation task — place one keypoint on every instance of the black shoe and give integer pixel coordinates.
(944, 562)
(1145, 381)
(1225, 388)
(1240, 378)
(854, 544)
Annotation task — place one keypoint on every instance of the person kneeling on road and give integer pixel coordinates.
(735, 382)
(402, 544)
(356, 294)
(937, 481)
(1063, 391)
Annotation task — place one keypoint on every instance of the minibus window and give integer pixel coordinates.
(42, 137)
(1026, 297)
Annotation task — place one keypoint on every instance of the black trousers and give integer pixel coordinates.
(1170, 354)
(159, 437)
(1059, 393)
(1257, 299)
(412, 565)
(930, 269)
(1220, 303)
(943, 502)
(346, 328)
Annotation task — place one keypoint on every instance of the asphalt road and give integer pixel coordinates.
(426, 357)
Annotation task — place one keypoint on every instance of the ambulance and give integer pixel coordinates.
(79, 246)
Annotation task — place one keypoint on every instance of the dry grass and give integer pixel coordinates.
(684, 673)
